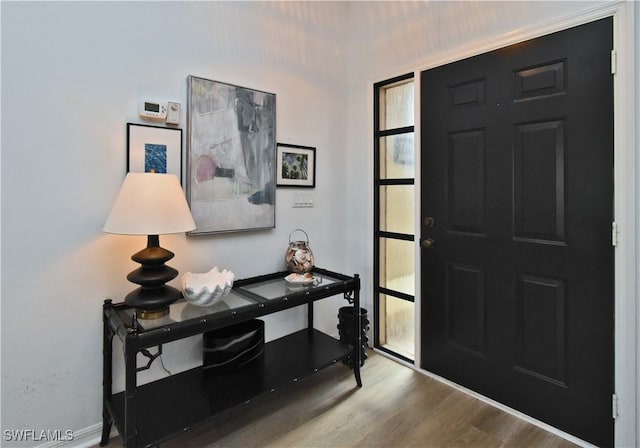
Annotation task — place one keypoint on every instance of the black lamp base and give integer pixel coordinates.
(152, 303)
(153, 297)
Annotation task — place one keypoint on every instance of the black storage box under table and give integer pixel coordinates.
(229, 348)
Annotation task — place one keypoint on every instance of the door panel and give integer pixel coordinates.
(539, 181)
(517, 177)
(466, 182)
(466, 309)
(540, 303)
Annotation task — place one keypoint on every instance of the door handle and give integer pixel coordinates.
(428, 243)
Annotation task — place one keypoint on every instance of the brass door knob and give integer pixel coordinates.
(428, 243)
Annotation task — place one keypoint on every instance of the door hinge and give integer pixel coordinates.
(614, 233)
(614, 406)
(614, 62)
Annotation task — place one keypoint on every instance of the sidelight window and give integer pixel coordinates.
(394, 221)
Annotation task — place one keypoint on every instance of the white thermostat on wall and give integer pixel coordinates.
(153, 109)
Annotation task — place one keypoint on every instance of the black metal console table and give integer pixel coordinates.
(151, 413)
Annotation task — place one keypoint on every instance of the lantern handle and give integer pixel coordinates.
(298, 230)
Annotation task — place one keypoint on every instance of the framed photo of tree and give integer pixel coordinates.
(295, 166)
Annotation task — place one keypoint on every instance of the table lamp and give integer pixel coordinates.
(151, 204)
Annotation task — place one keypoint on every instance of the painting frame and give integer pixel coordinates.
(230, 157)
(154, 149)
(307, 176)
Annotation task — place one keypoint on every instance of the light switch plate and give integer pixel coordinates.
(302, 200)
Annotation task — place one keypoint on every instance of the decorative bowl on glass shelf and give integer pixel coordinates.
(207, 288)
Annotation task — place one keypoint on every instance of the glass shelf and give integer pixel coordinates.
(279, 287)
(246, 295)
(182, 311)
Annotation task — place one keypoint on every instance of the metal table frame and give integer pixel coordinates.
(138, 336)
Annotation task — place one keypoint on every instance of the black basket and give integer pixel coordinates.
(346, 330)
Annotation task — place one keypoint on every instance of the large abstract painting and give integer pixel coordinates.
(231, 151)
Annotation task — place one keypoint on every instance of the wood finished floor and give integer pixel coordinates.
(396, 408)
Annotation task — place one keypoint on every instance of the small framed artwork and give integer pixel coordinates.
(154, 149)
(296, 166)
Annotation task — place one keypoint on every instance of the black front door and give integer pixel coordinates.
(517, 209)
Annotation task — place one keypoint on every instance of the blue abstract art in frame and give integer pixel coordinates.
(154, 149)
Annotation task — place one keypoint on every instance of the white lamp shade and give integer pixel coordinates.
(150, 204)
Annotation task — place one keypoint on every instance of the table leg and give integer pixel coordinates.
(310, 316)
(107, 375)
(130, 361)
(357, 332)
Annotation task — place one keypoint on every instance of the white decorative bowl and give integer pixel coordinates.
(207, 288)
